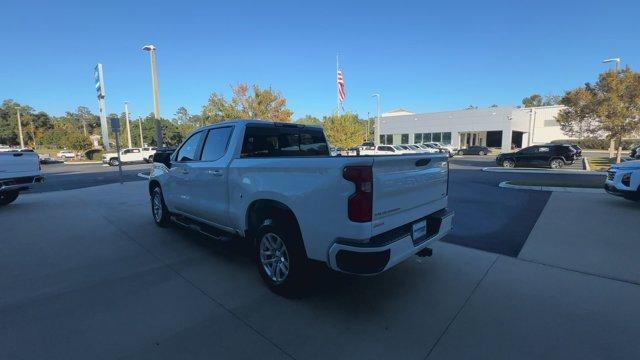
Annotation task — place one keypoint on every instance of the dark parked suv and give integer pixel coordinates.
(554, 156)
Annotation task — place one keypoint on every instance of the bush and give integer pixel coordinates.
(597, 143)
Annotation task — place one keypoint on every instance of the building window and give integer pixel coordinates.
(426, 137)
(389, 139)
(446, 138)
(383, 139)
(437, 137)
(404, 139)
(417, 138)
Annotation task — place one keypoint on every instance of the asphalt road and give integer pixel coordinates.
(68, 177)
(488, 218)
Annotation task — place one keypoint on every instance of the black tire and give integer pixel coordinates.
(8, 197)
(508, 163)
(150, 158)
(291, 285)
(556, 163)
(161, 215)
(482, 153)
(460, 152)
(114, 162)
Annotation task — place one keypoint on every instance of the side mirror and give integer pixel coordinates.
(163, 156)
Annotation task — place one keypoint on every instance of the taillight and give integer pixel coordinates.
(360, 203)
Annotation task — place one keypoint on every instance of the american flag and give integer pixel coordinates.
(341, 92)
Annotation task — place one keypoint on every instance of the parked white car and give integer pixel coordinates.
(360, 215)
(380, 150)
(19, 171)
(66, 154)
(624, 180)
(147, 153)
(128, 155)
(403, 149)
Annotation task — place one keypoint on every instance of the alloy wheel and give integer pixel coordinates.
(157, 206)
(274, 257)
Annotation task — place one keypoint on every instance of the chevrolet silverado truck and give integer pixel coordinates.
(19, 171)
(276, 185)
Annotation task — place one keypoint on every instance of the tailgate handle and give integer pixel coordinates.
(423, 162)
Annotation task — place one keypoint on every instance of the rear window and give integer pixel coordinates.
(272, 141)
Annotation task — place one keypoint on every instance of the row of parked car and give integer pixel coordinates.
(369, 148)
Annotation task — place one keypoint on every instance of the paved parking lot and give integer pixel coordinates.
(113, 285)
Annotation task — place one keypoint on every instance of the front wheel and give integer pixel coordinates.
(8, 197)
(556, 164)
(161, 215)
(508, 163)
(460, 152)
(114, 162)
(281, 258)
(482, 153)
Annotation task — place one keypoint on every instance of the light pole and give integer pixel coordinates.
(154, 83)
(126, 118)
(20, 130)
(616, 60)
(376, 133)
(141, 138)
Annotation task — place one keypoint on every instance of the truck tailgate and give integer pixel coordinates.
(18, 164)
(407, 188)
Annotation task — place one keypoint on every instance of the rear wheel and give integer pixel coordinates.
(508, 163)
(161, 215)
(114, 162)
(482, 153)
(150, 158)
(8, 197)
(460, 152)
(281, 259)
(556, 163)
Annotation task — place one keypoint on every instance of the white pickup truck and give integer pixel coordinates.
(128, 155)
(276, 185)
(19, 171)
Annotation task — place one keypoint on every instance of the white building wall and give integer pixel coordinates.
(537, 124)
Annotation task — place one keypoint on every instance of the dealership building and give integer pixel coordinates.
(496, 127)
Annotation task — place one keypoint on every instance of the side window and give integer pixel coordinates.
(188, 150)
(313, 142)
(543, 149)
(261, 141)
(215, 146)
(530, 150)
(127, 151)
(135, 151)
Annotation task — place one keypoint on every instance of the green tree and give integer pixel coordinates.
(578, 118)
(343, 130)
(182, 115)
(612, 104)
(309, 120)
(77, 141)
(532, 101)
(247, 103)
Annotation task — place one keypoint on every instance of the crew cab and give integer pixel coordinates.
(553, 156)
(276, 185)
(19, 171)
(128, 155)
(624, 180)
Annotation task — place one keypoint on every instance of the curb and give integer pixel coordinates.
(82, 162)
(144, 176)
(544, 171)
(505, 184)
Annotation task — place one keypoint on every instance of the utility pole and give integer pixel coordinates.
(20, 131)
(140, 126)
(126, 117)
(376, 133)
(612, 141)
(154, 83)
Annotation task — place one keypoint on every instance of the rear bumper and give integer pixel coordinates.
(20, 183)
(368, 259)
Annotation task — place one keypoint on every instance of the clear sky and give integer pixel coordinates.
(422, 55)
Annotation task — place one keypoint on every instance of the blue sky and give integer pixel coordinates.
(420, 55)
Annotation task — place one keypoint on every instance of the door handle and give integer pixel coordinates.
(215, 172)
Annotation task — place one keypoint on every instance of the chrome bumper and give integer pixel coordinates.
(21, 183)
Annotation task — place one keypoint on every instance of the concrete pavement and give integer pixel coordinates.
(86, 274)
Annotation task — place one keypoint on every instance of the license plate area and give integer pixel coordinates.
(419, 230)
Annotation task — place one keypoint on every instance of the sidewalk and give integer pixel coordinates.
(114, 285)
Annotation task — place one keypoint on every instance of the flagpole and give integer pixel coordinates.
(337, 94)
